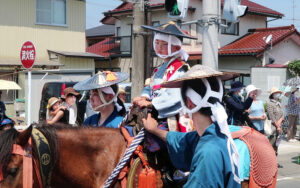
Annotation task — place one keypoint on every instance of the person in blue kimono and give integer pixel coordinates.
(209, 152)
(103, 98)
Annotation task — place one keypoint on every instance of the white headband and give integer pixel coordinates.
(218, 114)
(171, 40)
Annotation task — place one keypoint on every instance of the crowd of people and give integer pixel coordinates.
(195, 119)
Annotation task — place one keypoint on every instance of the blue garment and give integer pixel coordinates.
(112, 121)
(257, 110)
(161, 97)
(207, 158)
(244, 162)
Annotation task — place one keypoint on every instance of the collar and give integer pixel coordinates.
(110, 117)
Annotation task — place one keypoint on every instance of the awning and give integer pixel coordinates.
(76, 54)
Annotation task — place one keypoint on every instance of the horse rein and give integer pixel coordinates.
(28, 163)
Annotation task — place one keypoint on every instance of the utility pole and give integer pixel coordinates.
(210, 33)
(138, 52)
(148, 49)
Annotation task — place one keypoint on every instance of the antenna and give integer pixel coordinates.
(268, 39)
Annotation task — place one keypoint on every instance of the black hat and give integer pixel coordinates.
(170, 29)
(237, 85)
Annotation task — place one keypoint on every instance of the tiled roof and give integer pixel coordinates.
(254, 42)
(102, 30)
(253, 8)
(104, 47)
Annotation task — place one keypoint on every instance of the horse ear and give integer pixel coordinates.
(24, 136)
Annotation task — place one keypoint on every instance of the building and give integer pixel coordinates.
(119, 57)
(57, 29)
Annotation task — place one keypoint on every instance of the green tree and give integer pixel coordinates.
(294, 67)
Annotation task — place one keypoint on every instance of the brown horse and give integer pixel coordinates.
(81, 157)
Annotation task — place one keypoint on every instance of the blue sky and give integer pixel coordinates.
(95, 9)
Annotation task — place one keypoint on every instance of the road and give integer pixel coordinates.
(289, 175)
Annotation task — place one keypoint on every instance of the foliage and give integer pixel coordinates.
(294, 67)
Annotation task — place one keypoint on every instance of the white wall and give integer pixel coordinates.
(247, 22)
(266, 78)
(240, 64)
(286, 51)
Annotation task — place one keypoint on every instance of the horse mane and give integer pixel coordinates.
(7, 139)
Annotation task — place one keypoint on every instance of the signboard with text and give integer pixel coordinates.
(27, 54)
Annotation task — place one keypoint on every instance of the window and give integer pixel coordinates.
(231, 29)
(51, 12)
(199, 31)
(188, 29)
(118, 31)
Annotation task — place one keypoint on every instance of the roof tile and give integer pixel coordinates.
(104, 47)
(254, 42)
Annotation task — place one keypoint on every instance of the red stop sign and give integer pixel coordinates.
(27, 54)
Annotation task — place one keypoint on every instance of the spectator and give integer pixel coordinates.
(256, 111)
(275, 113)
(56, 112)
(236, 109)
(2, 109)
(6, 124)
(293, 110)
(122, 95)
(70, 96)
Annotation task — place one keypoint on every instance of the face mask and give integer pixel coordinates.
(276, 95)
(297, 94)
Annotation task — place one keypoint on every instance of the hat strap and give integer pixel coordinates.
(105, 103)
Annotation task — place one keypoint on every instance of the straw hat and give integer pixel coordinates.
(68, 91)
(52, 101)
(251, 88)
(100, 80)
(122, 91)
(196, 72)
(170, 29)
(274, 90)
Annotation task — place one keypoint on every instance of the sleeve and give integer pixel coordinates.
(270, 110)
(88, 121)
(146, 92)
(181, 148)
(238, 106)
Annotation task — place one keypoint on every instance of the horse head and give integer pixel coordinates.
(11, 160)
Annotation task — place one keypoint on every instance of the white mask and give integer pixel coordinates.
(276, 95)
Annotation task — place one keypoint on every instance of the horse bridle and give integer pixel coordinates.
(40, 166)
